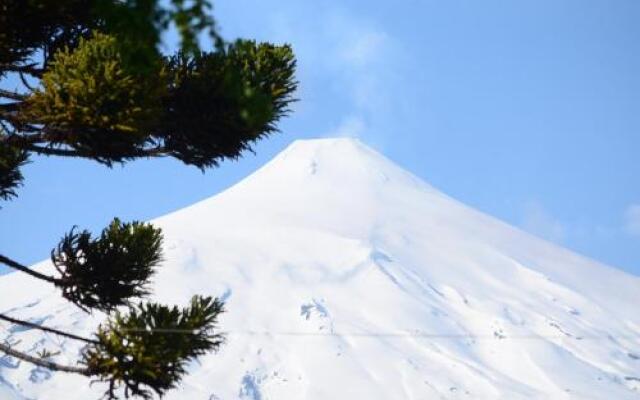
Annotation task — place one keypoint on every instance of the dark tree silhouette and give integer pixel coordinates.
(95, 86)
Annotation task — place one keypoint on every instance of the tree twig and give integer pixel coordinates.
(15, 265)
(46, 329)
(12, 95)
(27, 69)
(5, 129)
(50, 151)
(25, 82)
(42, 362)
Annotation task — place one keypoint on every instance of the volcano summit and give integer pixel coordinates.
(346, 277)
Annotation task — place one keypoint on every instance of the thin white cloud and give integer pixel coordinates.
(632, 219)
(357, 46)
(353, 126)
(355, 54)
(364, 48)
(359, 53)
(538, 221)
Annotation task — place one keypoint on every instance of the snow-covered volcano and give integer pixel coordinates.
(346, 277)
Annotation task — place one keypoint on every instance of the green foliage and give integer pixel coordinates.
(191, 17)
(201, 108)
(11, 159)
(92, 101)
(138, 23)
(148, 348)
(52, 25)
(220, 102)
(29, 25)
(96, 86)
(107, 272)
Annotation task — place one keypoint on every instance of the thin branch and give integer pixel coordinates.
(7, 110)
(15, 265)
(46, 329)
(42, 362)
(51, 151)
(6, 114)
(26, 139)
(12, 95)
(25, 82)
(6, 130)
(33, 143)
(27, 69)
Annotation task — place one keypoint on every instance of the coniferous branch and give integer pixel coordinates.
(141, 351)
(7, 110)
(106, 272)
(9, 123)
(30, 69)
(19, 267)
(21, 139)
(102, 91)
(234, 95)
(11, 160)
(25, 82)
(33, 142)
(42, 362)
(12, 95)
(45, 329)
(50, 151)
(155, 152)
(4, 129)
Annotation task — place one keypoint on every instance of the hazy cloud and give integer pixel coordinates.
(352, 126)
(363, 48)
(359, 61)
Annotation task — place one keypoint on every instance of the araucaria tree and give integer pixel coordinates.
(88, 81)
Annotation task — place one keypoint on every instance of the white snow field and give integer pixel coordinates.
(346, 277)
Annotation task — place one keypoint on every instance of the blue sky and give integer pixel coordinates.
(527, 110)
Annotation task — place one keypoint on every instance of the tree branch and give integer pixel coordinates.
(20, 126)
(50, 151)
(27, 69)
(25, 82)
(15, 265)
(5, 129)
(46, 329)
(12, 95)
(36, 143)
(25, 140)
(42, 362)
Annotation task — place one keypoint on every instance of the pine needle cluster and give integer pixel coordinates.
(95, 86)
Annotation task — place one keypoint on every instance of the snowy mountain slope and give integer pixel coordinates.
(348, 278)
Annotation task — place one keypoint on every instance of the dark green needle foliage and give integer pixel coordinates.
(95, 86)
(104, 92)
(238, 92)
(28, 26)
(148, 348)
(106, 272)
(11, 159)
(94, 103)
